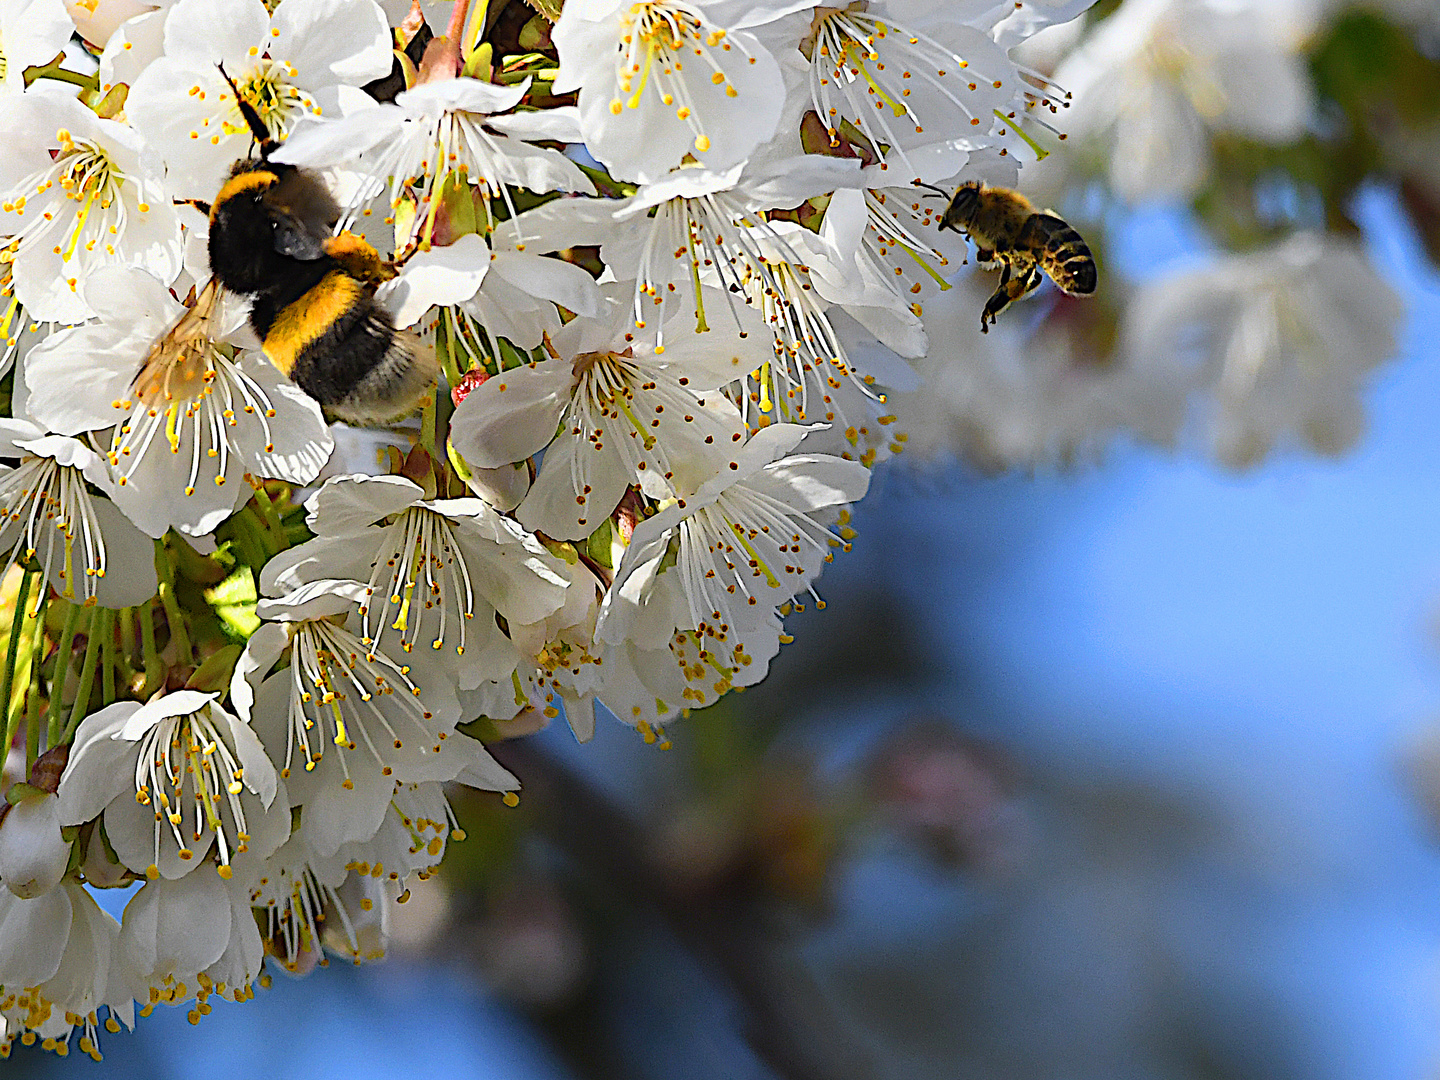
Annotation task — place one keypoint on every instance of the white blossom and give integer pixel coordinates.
(287, 65)
(78, 193)
(191, 416)
(189, 939)
(174, 778)
(59, 964)
(1159, 76)
(750, 538)
(438, 130)
(33, 854)
(89, 551)
(628, 412)
(32, 32)
(344, 721)
(662, 78)
(436, 571)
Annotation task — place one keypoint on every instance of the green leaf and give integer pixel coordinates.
(213, 675)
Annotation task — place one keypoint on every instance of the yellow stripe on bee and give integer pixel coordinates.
(255, 179)
(307, 319)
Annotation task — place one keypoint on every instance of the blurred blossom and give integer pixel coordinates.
(1025, 397)
(1159, 77)
(956, 795)
(1275, 344)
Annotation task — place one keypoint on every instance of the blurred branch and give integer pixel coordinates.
(717, 922)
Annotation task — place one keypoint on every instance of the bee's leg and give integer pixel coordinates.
(986, 258)
(357, 258)
(1025, 280)
(1027, 283)
(996, 304)
(999, 301)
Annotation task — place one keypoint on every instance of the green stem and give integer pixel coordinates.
(60, 74)
(107, 676)
(12, 651)
(427, 423)
(32, 685)
(62, 669)
(126, 670)
(32, 700)
(99, 627)
(154, 667)
(179, 636)
(274, 527)
(445, 350)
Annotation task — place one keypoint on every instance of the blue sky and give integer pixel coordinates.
(1268, 640)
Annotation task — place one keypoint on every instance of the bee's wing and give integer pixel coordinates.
(296, 238)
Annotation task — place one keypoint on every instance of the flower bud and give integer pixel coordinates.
(33, 854)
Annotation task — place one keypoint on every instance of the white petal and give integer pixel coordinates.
(154, 496)
(15, 434)
(33, 935)
(512, 415)
(131, 829)
(330, 41)
(481, 770)
(33, 855)
(129, 578)
(99, 760)
(134, 44)
(177, 926)
(175, 703)
(261, 652)
(216, 31)
(317, 142)
(302, 440)
(440, 277)
(315, 599)
(349, 505)
(463, 94)
(809, 482)
(72, 386)
(555, 280)
(553, 505)
(562, 124)
(321, 558)
(80, 983)
(580, 715)
(260, 774)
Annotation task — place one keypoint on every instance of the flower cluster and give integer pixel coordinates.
(670, 257)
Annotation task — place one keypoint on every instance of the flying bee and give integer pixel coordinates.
(1009, 232)
(312, 293)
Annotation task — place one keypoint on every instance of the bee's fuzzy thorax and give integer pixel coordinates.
(313, 293)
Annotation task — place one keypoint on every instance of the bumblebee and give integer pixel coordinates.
(1009, 232)
(313, 293)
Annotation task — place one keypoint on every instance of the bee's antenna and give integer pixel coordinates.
(931, 187)
(258, 131)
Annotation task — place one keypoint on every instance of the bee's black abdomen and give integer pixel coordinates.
(329, 367)
(1062, 252)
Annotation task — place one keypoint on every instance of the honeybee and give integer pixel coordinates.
(312, 293)
(1009, 232)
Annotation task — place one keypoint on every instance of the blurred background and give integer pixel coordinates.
(1115, 752)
